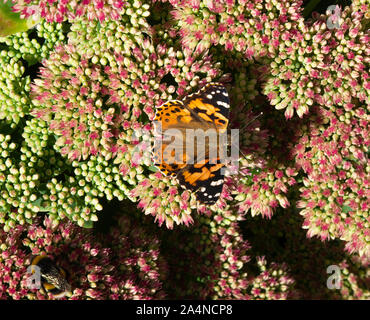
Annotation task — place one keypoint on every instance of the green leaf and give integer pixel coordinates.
(346, 209)
(10, 22)
(88, 224)
(41, 204)
(153, 169)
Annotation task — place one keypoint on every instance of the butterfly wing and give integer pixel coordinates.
(210, 104)
(206, 180)
(207, 108)
(169, 116)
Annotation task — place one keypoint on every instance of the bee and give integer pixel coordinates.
(53, 278)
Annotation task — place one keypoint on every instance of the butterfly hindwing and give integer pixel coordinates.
(205, 180)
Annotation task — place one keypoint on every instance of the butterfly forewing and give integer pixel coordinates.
(210, 104)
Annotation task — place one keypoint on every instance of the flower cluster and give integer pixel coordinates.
(78, 93)
(335, 195)
(14, 100)
(19, 181)
(321, 65)
(215, 262)
(137, 258)
(273, 282)
(128, 269)
(250, 27)
(307, 259)
(355, 277)
(35, 178)
(261, 191)
(37, 43)
(160, 197)
(213, 254)
(92, 92)
(59, 10)
(267, 171)
(74, 104)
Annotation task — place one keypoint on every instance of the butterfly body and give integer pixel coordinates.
(191, 145)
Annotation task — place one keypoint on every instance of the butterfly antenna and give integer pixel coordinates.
(245, 126)
(245, 157)
(250, 121)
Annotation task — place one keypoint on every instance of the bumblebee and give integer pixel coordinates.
(53, 279)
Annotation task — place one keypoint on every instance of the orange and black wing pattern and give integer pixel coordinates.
(211, 104)
(206, 109)
(168, 119)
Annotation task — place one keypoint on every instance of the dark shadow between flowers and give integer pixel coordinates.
(33, 35)
(169, 80)
(190, 261)
(159, 12)
(321, 6)
(282, 240)
(107, 217)
(31, 69)
(185, 269)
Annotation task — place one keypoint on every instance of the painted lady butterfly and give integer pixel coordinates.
(198, 171)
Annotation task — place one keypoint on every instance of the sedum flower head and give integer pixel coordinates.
(37, 43)
(59, 10)
(267, 172)
(218, 255)
(250, 27)
(334, 197)
(220, 259)
(309, 261)
(261, 190)
(95, 92)
(354, 282)
(273, 282)
(127, 269)
(320, 65)
(14, 88)
(161, 197)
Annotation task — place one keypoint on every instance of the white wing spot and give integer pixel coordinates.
(217, 183)
(223, 104)
(209, 96)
